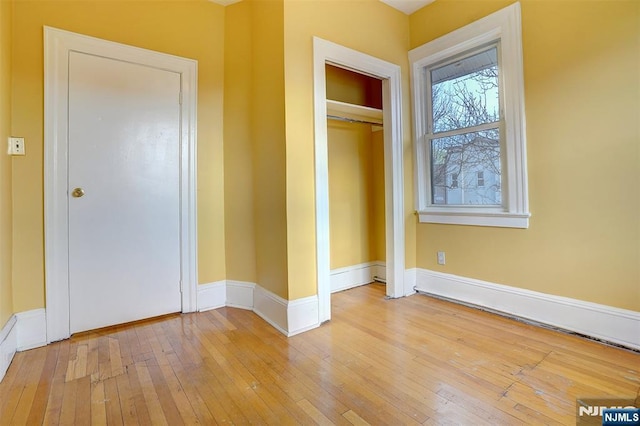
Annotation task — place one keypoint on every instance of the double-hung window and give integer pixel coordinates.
(469, 125)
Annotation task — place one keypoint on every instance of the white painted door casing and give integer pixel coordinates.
(328, 52)
(58, 46)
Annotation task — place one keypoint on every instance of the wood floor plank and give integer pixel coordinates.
(98, 404)
(125, 342)
(530, 416)
(355, 419)
(68, 408)
(27, 395)
(360, 374)
(263, 379)
(133, 405)
(194, 398)
(104, 360)
(561, 410)
(287, 376)
(407, 388)
(144, 351)
(223, 320)
(177, 407)
(409, 396)
(152, 401)
(10, 385)
(93, 366)
(178, 395)
(45, 383)
(415, 360)
(167, 403)
(262, 386)
(212, 383)
(128, 411)
(314, 413)
(54, 403)
(83, 401)
(189, 349)
(131, 343)
(242, 388)
(115, 358)
(113, 402)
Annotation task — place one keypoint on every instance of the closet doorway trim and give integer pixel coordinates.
(326, 52)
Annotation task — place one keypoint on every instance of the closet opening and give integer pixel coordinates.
(355, 149)
(378, 110)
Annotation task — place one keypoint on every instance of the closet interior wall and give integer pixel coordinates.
(356, 174)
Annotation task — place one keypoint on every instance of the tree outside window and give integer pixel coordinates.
(465, 122)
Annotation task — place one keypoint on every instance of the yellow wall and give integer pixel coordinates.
(354, 197)
(582, 97)
(238, 179)
(193, 29)
(268, 139)
(256, 204)
(377, 225)
(348, 86)
(367, 26)
(6, 297)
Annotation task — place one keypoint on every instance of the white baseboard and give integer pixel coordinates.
(24, 330)
(235, 294)
(8, 345)
(240, 294)
(302, 315)
(379, 270)
(289, 317)
(410, 281)
(271, 307)
(212, 295)
(32, 329)
(356, 275)
(619, 326)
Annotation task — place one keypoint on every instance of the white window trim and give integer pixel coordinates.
(504, 25)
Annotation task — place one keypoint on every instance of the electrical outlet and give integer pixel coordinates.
(16, 146)
(441, 258)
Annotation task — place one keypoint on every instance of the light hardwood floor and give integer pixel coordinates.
(415, 360)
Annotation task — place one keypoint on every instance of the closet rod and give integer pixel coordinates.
(352, 120)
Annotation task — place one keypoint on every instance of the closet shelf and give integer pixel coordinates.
(356, 113)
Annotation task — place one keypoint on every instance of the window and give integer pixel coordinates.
(469, 125)
(454, 181)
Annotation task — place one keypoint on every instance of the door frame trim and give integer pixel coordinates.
(57, 46)
(328, 52)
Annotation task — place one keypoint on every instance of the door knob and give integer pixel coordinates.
(78, 192)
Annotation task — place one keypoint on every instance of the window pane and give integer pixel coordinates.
(465, 169)
(465, 92)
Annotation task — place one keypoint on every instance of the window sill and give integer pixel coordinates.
(476, 218)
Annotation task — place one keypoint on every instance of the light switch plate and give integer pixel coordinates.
(16, 146)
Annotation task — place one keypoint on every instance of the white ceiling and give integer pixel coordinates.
(406, 6)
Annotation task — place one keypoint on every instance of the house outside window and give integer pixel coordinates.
(454, 181)
(469, 125)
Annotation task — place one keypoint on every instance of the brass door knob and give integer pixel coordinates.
(77, 192)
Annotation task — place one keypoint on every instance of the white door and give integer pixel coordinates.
(124, 216)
